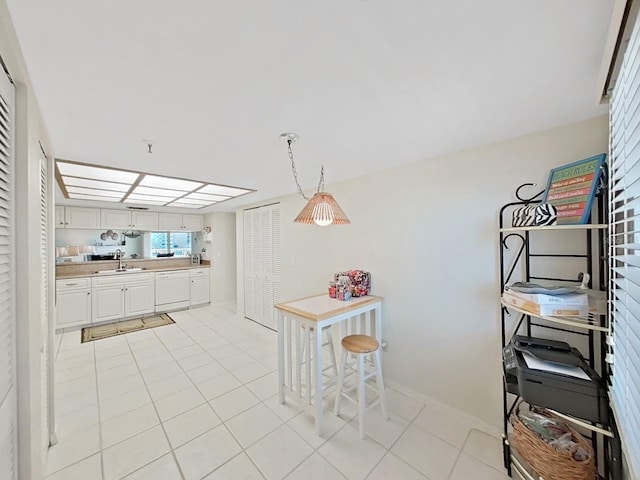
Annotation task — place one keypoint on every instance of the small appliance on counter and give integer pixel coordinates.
(195, 259)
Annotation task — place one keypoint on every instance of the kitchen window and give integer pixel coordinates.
(178, 243)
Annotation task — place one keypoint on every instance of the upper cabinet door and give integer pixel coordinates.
(169, 221)
(144, 221)
(192, 223)
(120, 219)
(59, 216)
(80, 217)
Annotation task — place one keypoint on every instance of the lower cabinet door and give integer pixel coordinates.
(73, 307)
(108, 303)
(139, 299)
(199, 290)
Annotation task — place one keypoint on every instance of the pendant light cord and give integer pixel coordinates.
(295, 174)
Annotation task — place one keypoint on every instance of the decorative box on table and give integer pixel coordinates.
(360, 281)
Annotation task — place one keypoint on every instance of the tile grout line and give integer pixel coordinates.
(95, 355)
(173, 453)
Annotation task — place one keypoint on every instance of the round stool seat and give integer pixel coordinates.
(360, 344)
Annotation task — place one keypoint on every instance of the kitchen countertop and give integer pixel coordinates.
(89, 269)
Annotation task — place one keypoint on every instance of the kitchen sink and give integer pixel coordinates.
(126, 270)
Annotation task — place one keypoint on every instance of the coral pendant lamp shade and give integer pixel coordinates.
(322, 210)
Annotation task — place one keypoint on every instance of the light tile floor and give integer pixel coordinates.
(198, 400)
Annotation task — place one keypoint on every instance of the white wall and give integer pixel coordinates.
(222, 253)
(427, 232)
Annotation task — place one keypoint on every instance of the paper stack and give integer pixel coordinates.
(565, 305)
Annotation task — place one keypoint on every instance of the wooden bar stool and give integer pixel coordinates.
(359, 346)
(305, 347)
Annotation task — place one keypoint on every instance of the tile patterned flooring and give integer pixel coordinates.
(198, 400)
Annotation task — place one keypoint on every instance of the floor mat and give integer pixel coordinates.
(89, 334)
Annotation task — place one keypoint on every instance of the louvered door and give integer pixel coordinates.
(262, 263)
(45, 320)
(8, 395)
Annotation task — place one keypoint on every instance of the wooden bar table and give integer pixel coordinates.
(357, 315)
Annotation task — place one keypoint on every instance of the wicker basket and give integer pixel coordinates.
(546, 460)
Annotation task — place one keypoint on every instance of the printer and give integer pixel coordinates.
(552, 374)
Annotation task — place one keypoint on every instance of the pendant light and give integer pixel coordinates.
(321, 209)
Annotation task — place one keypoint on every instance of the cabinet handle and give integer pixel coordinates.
(70, 284)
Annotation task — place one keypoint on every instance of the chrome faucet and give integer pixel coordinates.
(118, 254)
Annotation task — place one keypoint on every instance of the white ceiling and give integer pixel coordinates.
(367, 84)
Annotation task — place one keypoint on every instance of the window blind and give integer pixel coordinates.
(624, 244)
(8, 395)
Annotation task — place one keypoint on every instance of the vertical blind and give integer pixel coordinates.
(624, 238)
(8, 394)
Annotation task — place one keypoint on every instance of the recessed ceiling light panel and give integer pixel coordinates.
(184, 205)
(96, 173)
(208, 198)
(92, 182)
(92, 191)
(95, 198)
(84, 182)
(223, 190)
(171, 183)
(159, 192)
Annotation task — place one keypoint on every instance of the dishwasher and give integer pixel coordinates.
(172, 290)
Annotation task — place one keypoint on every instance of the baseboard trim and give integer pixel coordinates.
(475, 422)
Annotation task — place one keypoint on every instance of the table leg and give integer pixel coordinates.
(379, 322)
(280, 356)
(319, 383)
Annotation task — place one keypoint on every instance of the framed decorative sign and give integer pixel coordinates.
(571, 189)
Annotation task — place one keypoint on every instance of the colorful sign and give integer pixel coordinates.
(571, 189)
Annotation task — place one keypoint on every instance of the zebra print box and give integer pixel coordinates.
(534, 215)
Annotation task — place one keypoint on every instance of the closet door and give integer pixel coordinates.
(8, 395)
(262, 263)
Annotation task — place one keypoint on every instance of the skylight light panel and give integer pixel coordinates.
(159, 192)
(223, 190)
(153, 198)
(171, 183)
(144, 202)
(92, 191)
(193, 201)
(83, 182)
(96, 173)
(89, 182)
(97, 198)
(184, 205)
(209, 198)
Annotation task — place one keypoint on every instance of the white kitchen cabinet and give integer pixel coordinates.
(147, 221)
(122, 296)
(138, 298)
(73, 302)
(169, 221)
(59, 216)
(192, 223)
(115, 219)
(125, 220)
(180, 222)
(200, 290)
(108, 302)
(81, 217)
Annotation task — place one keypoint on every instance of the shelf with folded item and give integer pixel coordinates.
(592, 322)
(586, 226)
